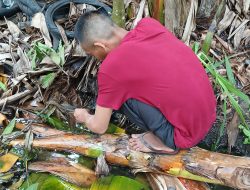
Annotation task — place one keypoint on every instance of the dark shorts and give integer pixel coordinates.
(151, 119)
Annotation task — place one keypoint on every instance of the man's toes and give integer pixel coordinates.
(132, 140)
(135, 136)
(132, 143)
(136, 147)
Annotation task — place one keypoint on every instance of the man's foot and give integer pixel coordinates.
(148, 142)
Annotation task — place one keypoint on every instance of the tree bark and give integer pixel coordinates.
(196, 163)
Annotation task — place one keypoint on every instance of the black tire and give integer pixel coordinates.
(53, 8)
(29, 7)
(9, 12)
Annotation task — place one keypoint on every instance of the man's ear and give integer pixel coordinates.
(102, 45)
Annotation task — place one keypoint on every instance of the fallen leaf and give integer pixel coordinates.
(190, 23)
(226, 21)
(10, 127)
(72, 172)
(7, 160)
(246, 5)
(3, 120)
(38, 21)
(4, 56)
(239, 36)
(233, 130)
(47, 80)
(13, 28)
(139, 14)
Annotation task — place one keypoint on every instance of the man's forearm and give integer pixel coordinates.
(93, 125)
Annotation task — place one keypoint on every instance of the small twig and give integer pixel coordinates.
(16, 97)
(11, 53)
(215, 55)
(4, 105)
(238, 54)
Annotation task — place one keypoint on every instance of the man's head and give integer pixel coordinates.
(97, 33)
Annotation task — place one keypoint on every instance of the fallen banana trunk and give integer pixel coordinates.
(157, 181)
(196, 164)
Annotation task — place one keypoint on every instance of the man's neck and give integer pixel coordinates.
(119, 34)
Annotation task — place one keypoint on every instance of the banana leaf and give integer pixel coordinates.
(117, 183)
(44, 181)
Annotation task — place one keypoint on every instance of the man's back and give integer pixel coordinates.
(153, 66)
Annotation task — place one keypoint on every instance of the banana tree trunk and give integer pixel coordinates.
(196, 163)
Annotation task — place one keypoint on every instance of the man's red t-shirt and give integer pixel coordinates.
(153, 66)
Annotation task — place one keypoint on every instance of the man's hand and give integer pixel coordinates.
(81, 115)
(97, 123)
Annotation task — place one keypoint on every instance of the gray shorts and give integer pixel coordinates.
(151, 119)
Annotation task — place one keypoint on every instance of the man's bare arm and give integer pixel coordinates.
(98, 123)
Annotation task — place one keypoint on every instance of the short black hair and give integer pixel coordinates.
(87, 20)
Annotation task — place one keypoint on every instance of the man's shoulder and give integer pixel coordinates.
(149, 22)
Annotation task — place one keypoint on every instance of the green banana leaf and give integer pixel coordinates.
(42, 181)
(118, 183)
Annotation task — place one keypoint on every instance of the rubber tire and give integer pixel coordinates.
(29, 7)
(9, 12)
(19, 6)
(50, 14)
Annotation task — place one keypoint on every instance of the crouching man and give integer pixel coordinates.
(150, 76)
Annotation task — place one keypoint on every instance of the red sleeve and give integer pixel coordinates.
(110, 92)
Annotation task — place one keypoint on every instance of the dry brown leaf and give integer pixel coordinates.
(226, 21)
(23, 65)
(72, 172)
(4, 47)
(163, 182)
(176, 12)
(238, 36)
(194, 185)
(226, 45)
(4, 56)
(233, 25)
(146, 10)
(238, 27)
(246, 5)
(190, 23)
(38, 21)
(77, 50)
(3, 120)
(3, 78)
(233, 130)
(8, 160)
(62, 33)
(13, 28)
(139, 14)
(17, 80)
(246, 36)
(72, 9)
(206, 8)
